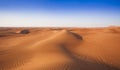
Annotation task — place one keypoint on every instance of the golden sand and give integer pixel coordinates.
(60, 49)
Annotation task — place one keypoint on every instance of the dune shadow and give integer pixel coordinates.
(77, 36)
(81, 64)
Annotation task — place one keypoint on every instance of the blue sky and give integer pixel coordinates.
(65, 5)
(77, 13)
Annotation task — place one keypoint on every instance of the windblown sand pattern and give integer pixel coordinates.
(60, 48)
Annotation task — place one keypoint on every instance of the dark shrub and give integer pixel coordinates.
(25, 31)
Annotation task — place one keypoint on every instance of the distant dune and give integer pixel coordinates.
(60, 48)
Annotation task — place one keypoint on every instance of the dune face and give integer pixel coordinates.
(60, 49)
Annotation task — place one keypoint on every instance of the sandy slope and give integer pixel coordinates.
(60, 49)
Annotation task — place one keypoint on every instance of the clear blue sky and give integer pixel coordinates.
(103, 10)
(60, 4)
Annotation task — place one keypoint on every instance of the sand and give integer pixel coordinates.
(60, 48)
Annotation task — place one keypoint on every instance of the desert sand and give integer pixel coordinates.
(60, 48)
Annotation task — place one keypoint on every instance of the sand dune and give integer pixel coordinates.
(60, 49)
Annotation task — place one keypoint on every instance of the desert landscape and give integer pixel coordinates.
(60, 48)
